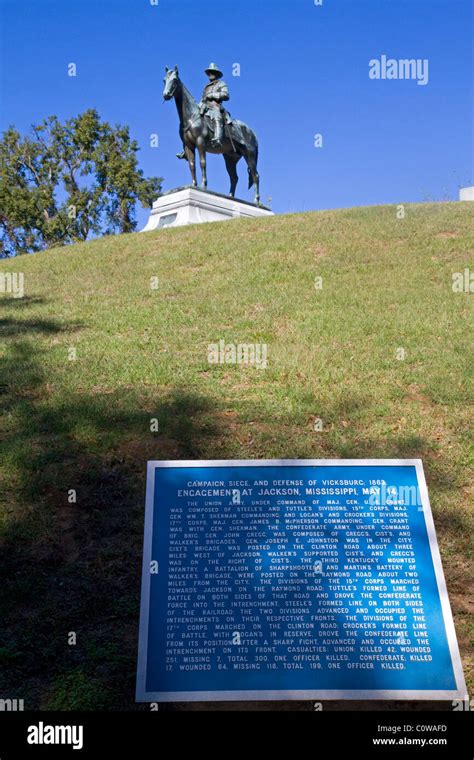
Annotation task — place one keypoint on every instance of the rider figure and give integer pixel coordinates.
(214, 94)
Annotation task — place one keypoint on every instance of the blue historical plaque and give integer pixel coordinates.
(293, 579)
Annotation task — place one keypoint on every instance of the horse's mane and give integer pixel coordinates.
(190, 99)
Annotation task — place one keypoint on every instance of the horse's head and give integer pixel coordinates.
(171, 82)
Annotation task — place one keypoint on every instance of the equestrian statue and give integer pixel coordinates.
(208, 127)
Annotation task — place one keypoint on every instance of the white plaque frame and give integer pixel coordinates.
(142, 695)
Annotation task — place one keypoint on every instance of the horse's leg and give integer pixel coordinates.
(191, 159)
(251, 159)
(201, 146)
(231, 166)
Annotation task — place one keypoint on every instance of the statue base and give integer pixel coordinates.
(466, 193)
(193, 205)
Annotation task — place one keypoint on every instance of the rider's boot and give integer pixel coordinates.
(219, 134)
(181, 155)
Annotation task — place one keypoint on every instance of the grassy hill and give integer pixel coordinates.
(141, 353)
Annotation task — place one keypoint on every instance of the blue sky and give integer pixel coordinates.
(303, 70)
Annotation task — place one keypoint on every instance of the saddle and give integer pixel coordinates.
(209, 121)
(231, 128)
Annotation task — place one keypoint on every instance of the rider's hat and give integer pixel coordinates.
(213, 69)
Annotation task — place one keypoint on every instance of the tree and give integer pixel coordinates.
(65, 182)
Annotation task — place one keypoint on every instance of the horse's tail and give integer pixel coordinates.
(256, 162)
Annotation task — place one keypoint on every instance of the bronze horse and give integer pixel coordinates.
(196, 132)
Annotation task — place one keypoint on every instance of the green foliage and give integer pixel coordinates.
(78, 691)
(65, 182)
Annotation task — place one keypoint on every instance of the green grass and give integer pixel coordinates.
(84, 424)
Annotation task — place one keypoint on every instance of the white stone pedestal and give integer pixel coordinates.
(192, 205)
(466, 193)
